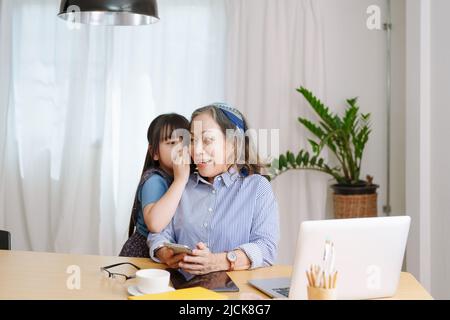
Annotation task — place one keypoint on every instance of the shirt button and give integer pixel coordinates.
(220, 178)
(210, 209)
(214, 192)
(205, 225)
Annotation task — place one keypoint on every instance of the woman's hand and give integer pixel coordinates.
(181, 164)
(202, 261)
(166, 255)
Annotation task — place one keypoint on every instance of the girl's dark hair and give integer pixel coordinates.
(161, 129)
(250, 163)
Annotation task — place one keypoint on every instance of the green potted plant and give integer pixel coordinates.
(346, 138)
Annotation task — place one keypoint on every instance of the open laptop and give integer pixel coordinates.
(368, 251)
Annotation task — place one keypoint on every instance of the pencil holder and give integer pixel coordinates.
(321, 294)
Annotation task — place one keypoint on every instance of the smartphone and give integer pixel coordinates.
(178, 248)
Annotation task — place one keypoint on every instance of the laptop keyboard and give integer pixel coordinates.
(282, 291)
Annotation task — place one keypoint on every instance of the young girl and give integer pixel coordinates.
(164, 176)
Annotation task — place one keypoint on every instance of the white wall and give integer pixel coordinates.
(356, 66)
(417, 143)
(428, 172)
(398, 106)
(440, 153)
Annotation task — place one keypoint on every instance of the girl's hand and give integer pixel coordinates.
(181, 164)
(202, 261)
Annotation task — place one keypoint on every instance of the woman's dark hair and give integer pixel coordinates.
(160, 130)
(247, 163)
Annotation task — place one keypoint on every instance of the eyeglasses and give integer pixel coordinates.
(118, 276)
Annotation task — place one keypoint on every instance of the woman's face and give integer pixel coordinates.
(208, 147)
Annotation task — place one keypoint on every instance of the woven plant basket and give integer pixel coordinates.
(355, 206)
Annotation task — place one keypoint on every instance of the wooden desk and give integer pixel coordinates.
(33, 275)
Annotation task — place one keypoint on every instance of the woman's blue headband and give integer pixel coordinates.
(232, 114)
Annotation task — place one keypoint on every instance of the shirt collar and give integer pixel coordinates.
(227, 178)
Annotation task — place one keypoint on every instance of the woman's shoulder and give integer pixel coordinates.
(256, 178)
(259, 183)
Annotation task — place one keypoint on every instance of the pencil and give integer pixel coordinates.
(309, 278)
(335, 279)
(317, 276)
(313, 278)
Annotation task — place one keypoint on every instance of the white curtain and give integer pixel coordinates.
(75, 106)
(275, 47)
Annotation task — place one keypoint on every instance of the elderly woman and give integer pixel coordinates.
(228, 212)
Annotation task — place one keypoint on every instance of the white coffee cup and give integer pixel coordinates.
(152, 280)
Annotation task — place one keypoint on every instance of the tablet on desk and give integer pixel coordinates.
(216, 281)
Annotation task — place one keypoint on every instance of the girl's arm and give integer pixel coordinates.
(157, 215)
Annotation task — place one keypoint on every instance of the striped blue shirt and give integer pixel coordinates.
(234, 212)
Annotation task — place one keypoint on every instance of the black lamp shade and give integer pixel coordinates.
(110, 12)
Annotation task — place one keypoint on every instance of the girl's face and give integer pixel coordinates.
(209, 147)
(164, 154)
